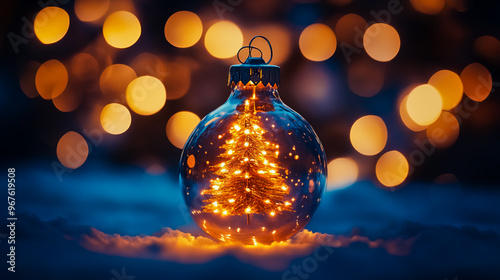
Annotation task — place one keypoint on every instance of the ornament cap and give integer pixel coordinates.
(254, 69)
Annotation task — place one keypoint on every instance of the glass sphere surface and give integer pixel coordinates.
(253, 170)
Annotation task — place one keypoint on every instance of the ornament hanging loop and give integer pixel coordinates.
(250, 48)
(249, 52)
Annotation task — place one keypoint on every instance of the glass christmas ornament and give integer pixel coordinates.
(253, 170)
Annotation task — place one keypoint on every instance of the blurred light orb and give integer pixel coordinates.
(368, 135)
(342, 172)
(424, 104)
(180, 126)
(115, 118)
(51, 79)
(477, 81)
(27, 79)
(430, 7)
(72, 150)
(149, 64)
(91, 10)
(365, 77)
(146, 95)
(488, 47)
(449, 86)
(69, 100)
(444, 131)
(121, 29)
(317, 42)
(392, 169)
(84, 66)
(223, 39)
(114, 81)
(381, 42)
(183, 29)
(405, 117)
(278, 35)
(51, 24)
(347, 27)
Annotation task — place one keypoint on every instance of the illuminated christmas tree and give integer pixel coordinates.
(248, 180)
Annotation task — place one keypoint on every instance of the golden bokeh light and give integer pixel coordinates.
(368, 135)
(115, 118)
(51, 79)
(342, 172)
(278, 35)
(430, 7)
(477, 81)
(405, 117)
(365, 77)
(347, 28)
(84, 66)
(191, 161)
(449, 86)
(444, 131)
(51, 24)
(381, 42)
(121, 29)
(392, 169)
(424, 104)
(146, 95)
(183, 29)
(91, 10)
(72, 150)
(27, 79)
(114, 81)
(223, 39)
(317, 42)
(69, 100)
(180, 126)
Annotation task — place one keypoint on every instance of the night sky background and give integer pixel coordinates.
(442, 222)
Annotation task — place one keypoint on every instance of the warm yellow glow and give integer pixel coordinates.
(51, 24)
(369, 135)
(444, 131)
(278, 34)
(403, 112)
(477, 81)
(51, 79)
(247, 179)
(424, 104)
(449, 86)
(342, 172)
(72, 150)
(115, 118)
(191, 161)
(223, 39)
(381, 42)
(317, 42)
(121, 29)
(183, 29)
(91, 10)
(430, 7)
(392, 169)
(146, 95)
(114, 81)
(180, 126)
